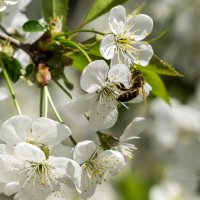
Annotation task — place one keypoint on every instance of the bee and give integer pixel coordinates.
(137, 86)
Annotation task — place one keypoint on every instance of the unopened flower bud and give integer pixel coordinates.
(7, 48)
(55, 25)
(43, 76)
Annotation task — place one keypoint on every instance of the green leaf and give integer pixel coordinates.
(55, 8)
(158, 87)
(13, 68)
(33, 26)
(100, 7)
(29, 70)
(161, 67)
(79, 60)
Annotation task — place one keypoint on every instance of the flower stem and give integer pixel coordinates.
(53, 106)
(162, 34)
(80, 31)
(41, 101)
(15, 43)
(45, 101)
(15, 101)
(71, 43)
(57, 114)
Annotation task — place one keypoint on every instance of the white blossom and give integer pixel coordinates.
(96, 164)
(33, 173)
(172, 190)
(166, 191)
(124, 44)
(5, 3)
(179, 125)
(125, 146)
(40, 132)
(100, 83)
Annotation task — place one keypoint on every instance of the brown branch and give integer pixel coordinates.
(17, 44)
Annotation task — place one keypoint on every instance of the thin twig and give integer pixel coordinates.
(58, 115)
(15, 43)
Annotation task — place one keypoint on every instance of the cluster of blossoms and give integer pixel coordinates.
(31, 167)
(121, 83)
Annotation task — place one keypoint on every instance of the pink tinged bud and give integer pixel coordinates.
(43, 75)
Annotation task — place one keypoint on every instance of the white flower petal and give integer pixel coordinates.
(117, 19)
(59, 165)
(61, 150)
(13, 22)
(64, 167)
(22, 56)
(32, 37)
(141, 26)
(9, 166)
(29, 152)
(74, 172)
(4, 93)
(142, 54)
(82, 104)
(5, 149)
(136, 126)
(89, 185)
(113, 160)
(120, 73)
(66, 193)
(108, 46)
(120, 58)
(56, 196)
(103, 114)
(23, 4)
(83, 151)
(3, 7)
(11, 2)
(49, 132)
(94, 76)
(16, 129)
(11, 188)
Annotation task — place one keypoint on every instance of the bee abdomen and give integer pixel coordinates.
(127, 96)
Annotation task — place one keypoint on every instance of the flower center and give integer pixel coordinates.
(124, 41)
(126, 150)
(96, 168)
(125, 47)
(38, 174)
(108, 90)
